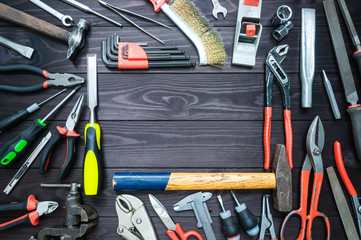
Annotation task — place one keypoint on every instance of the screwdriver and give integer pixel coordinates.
(13, 120)
(93, 162)
(229, 228)
(16, 148)
(246, 219)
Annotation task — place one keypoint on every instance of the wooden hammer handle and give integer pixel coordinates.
(193, 181)
(26, 20)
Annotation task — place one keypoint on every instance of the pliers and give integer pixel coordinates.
(274, 70)
(346, 180)
(55, 79)
(71, 137)
(267, 220)
(40, 208)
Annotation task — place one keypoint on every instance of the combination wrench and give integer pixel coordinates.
(217, 8)
(65, 19)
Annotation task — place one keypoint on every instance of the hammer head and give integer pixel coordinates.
(282, 195)
(76, 38)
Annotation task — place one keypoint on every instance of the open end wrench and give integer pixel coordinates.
(217, 8)
(65, 19)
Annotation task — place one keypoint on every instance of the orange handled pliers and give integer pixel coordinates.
(346, 180)
(275, 71)
(314, 144)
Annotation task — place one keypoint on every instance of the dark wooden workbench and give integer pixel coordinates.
(203, 119)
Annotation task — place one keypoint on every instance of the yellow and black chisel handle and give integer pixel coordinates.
(93, 161)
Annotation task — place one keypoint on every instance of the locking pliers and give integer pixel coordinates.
(274, 71)
(134, 222)
(54, 79)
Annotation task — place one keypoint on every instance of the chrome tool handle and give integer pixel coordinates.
(307, 63)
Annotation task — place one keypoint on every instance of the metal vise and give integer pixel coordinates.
(79, 219)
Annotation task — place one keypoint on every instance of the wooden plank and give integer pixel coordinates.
(184, 144)
(189, 97)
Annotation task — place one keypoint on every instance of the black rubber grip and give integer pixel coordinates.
(15, 149)
(17, 89)
(13, 120)
(14, 206)
(229, 228)
(247, 220)
(16, 222)
(21, 67)
(357, 58)
(48, 150)
(355, 115)
(70, 156)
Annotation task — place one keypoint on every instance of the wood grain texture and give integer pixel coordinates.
(202, 119)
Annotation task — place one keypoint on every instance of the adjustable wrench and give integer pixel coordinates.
(63, 18)
(217, 8)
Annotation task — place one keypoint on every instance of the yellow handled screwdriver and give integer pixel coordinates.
(93, 162)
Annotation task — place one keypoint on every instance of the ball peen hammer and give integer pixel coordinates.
(280, 180)
(75, 39)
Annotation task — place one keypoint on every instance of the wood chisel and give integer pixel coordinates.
(354, 110)
(307, 54)
(93, 162)
(342, 206)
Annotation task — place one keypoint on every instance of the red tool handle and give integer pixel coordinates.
(158, 4)
(267, 136)
(182, 234)
(32, 218)
(341, 169)
(289, 135)
(71, 140)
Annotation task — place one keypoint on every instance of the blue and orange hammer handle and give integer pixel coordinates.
(192, 181)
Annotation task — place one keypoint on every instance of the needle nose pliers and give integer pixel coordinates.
(275, 71)
(54, 79)
(40, 208)
(71, 137)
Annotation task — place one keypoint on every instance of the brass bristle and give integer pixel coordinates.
(216, 53)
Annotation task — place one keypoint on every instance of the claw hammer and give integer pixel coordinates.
(75, 39)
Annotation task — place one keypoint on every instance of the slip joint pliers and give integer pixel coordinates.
(274, 71)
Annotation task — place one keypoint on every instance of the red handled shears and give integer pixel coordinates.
(174, 229)
(314, 144)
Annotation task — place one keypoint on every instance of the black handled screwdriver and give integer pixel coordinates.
(13, 120)
(247, 220)
(16, 148)
(229, 228)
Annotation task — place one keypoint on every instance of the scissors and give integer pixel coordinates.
(313, 160)
(173, 229)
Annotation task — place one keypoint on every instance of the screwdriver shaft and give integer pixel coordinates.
(61, 103)
(51, 97)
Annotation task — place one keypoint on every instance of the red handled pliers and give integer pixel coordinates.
(346, 180)
(54, 79)
(275, 71)
(71, 139)
(31, 204)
